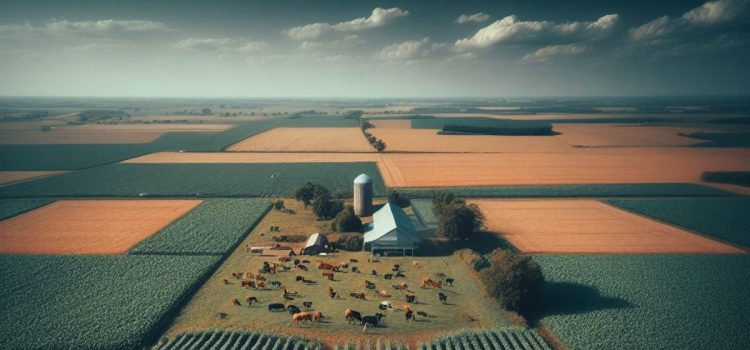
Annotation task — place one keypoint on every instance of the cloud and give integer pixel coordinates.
(221, 44)
(478, 17)
(715, 12)
(104, 26)
(510, 29)
(378, 18)
(651, 30)
(342, 43)
(710, 13)
(549, 52)
(406, 50)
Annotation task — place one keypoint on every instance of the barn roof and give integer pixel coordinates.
(389, 218)
(318, 239)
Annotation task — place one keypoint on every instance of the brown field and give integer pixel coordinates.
(13, 176)
(88, 226)
(76, 137)
(246, 157)
(467, 305)
(195, 118)
(602, 135)
(588, 226)
(427, 140)
(147, 127)
(306, 140)
(390, 124)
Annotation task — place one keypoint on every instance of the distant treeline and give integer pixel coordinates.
(730, 120)
(100, 114)
(24, 116)
(509, 130)
(728, 177)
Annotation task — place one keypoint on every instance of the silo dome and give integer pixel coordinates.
(363, 195)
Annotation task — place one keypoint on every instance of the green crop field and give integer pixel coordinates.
(205, 180)
(236, 340)
(720, 139)
(648, 301)
(93, 302)
(499, 339)
(595, 190)
(725, 218)
(477, 122)
(216, 226)
(13, 207)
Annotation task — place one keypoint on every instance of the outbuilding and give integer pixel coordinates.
(391, 231)
(317, 243)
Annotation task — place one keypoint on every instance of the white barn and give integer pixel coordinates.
(391, 230)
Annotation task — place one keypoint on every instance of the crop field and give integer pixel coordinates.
(235, 340)
(147, 127)
(12, 207)
(15, 176)
(580, 191)
(93, 302)
(498, 339)
(77, 137)
(603, 135)
(427, 140)
(88, 226)
(306, 140)
(205, 180)
(214, 227)
(251, 157)
(439, 123)
(725, 218)
(587, 226)
(647, 301)
(391, 124)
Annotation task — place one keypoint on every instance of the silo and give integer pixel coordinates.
(363, 195)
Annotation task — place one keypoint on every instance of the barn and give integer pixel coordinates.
(391, 232)
(317, 243)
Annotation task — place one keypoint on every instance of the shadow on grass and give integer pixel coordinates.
(565, 298)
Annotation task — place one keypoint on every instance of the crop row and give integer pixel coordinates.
(93, 302)
(234, 340)
(647, 301)
(593, 190)
(216, 226)
(202, 180)
(498, 339)
(13, 207)
(725, 218)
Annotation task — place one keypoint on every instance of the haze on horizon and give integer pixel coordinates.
(373, 49)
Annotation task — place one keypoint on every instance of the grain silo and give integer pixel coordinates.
(363, 195)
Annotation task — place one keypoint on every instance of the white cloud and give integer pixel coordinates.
(378, 18)
(715, 12)
(342, 43)
(104, 26)
(652, 30)
(221, 44)
(549, 52)
(478, 17)
(404, 51)
(511, 29)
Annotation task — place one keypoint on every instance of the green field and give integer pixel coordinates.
(499, 339)
(216, 226)
(205, 180)
(596, 190)
(647, 302)
(725, 218)
(477, 122)
(88, 302)
(227, 340)
(13, 207)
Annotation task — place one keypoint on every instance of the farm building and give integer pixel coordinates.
(363, 195)
(391, 230)
(317, 243)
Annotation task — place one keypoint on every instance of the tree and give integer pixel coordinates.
(278, 205)
(352, 242)
(325, 207)
(514, 279)
(346, 221)
(379, 145)
(458, 220)
(398, 199)
(307, 192)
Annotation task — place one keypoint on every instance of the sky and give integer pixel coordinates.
(374, 49)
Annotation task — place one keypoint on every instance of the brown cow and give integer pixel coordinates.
(301, 316)
(410, 298)
(226, 281)
(351, 315)
(317, 316)
(248, 284)
(331, 293)
(236, 302)
(384, 293)
(284, 259)
(359, 295)
(328, 275)
(426, 281)
(250, 300)
(261, 284)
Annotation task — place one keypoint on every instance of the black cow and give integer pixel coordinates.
(388, 276)
(443, 298)
(293, 309)
(449, 281)
(307, 304)
(372, 320)
(355, 316)
(276, 307)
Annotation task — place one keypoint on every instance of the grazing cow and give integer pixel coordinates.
(384, 293)
(358, 295)
(331, 293)
(422, 313)
(409, 315)
(355, 269)
(261, 284)
(248, 284)
(374, 273)
(328, 275)
(415, 264)
(293, 309)
(369, 285)
(443, 298)
(223, 315)
(276, 284)
(385, 305)
(307, 304)
(226, 281)
(325, 266)
(236, 275)
(410, 298)
(301, 316)
(317, 316)
(288, 293)
(449, 281)
(296, 262)
(396, 267)
(236, 302)
(388, 276)
(351, 315)
(343, 265)
(299, 279)
(353, 260)
(284, 259)
(305, 261)
(302, 267)
(276, 307)
(372, 320)
(399, 274)
(250, 300)
(400, 286)
(426, 281)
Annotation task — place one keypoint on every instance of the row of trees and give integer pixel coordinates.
(378, 144)
(456, 219)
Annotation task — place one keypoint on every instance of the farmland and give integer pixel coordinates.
(500, 339)
(647, 301)
(237, 340)
(214, 227)
(12, 207)
(305, 140)
(105, 301)
(88, 226)
(205, 180)
(724, 218)
(580, 191)
(587, 226)
(428, 140)
(14, 176)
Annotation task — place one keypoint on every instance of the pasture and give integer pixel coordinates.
(88, 226)
(647, 301)
(588, 226)
(305, 140)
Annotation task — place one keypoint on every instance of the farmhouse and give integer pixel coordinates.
(317, 243)
(391, 230)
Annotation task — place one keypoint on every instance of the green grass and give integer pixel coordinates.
(510, 338)
(595, 190)
(206, 180)
(741, 178)
(236, 340)
(477, 122)
(716, 139)
(13, 207)
(104, 302)
(216, 226)
(725, 218)
(648, 301)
